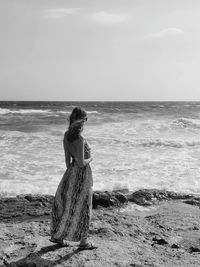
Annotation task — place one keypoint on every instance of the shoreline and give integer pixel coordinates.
(143, 228)
(37, 205)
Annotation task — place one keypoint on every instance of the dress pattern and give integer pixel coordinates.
(72, 204)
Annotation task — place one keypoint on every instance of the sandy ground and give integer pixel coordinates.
(166, 234)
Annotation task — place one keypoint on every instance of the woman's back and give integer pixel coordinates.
(77, 149)
(74, 146)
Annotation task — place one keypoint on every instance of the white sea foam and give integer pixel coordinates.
(132, 208)
(22, 111)
(4, 110)
(68, 112)
(185, 123)
(93, 112)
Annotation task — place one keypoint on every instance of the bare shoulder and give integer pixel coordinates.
(65, 138)
(65, 135)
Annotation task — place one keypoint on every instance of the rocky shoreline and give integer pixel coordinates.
(142, 228)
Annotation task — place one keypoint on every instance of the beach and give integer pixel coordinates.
(152, 228)
(136, 146)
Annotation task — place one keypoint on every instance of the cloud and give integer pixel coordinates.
(169, 32)
(108, 18)
(57, 13)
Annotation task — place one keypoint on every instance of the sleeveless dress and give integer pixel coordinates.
(71, 210)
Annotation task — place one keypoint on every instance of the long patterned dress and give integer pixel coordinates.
(71, 209)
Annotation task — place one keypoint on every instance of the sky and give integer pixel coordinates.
(100, 50)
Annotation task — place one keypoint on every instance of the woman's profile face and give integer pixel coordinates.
(81, 127)
(83, 123)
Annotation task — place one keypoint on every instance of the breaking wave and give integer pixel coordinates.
(186, 123)
(22, 111)
(168, 143)
(4, 111)
(148, 143)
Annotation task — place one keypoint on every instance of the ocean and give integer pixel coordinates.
(134, 145)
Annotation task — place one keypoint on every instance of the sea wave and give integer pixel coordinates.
(186, 123)
(93, 112)
(4, 111)
(150, 142)
(22, 111)
(161, 143)
(89, 112)
(168, 143)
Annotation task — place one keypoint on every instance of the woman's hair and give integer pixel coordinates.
(76, 121)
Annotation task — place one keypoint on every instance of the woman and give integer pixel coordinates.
(73, 200)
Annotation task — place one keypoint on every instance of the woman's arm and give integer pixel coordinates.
(67, 155)
(80, 153)
(67, 158)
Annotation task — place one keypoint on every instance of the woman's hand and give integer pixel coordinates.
(87, 161)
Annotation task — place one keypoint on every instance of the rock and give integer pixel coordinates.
(31, 264)
(22, 264)
(108, 199)
(159, 241)
(43, 199)
(193, 202)
(148, 197)
(175, 246)
(25, 206)
(194, 249)
(13, 264)
(102, 199)
(135, 265)
(121, 197)
(122, 190)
